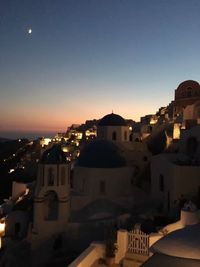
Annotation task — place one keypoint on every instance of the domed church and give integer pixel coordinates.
(187, 93)
(114, 128)
(103, 172)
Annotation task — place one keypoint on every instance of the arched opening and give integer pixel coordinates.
(150, 129)
(41, 174)
(145, 158)
(17, 229)
(83, 185)
(191, 146)
(161, 183)
(72, 179)
(51, 206)
(130, 137)
(50, 177)
(114, 136)
(63, 176)
(183, 94)
(102, 187)
(58, 243)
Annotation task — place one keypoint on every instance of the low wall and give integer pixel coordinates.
(122, 245)
(89, 256)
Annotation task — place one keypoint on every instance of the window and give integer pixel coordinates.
(125, 135)
(114, 136)
(42, 176)
(102, 187)
(63, 176)
(72, 179)
(145, 158)
(58, 242)
(168, 201)
(50, 177)
(161, 182)
(191, 146)
(17, 229)
(69, 175)
(83, 185)
(189, 92)
(198, 112)
(42, 180)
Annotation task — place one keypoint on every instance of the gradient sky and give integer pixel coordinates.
(86, 58)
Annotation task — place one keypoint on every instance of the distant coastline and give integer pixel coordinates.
(27, 135)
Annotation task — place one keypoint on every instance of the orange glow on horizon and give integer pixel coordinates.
(42, 120)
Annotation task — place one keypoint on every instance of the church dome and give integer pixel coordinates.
(53, 155)
(101, 154)
(187, 89)
(112, 120)
(188, 84)
(183, 243)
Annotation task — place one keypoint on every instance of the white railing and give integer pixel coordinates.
(138, 242)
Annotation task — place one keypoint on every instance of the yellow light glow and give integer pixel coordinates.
(2, 228)
(153, 121)
(90, 133)
(26, 191)
(79, 136)
(65, 149)
(45, 141)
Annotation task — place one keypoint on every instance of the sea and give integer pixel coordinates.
(28, 135)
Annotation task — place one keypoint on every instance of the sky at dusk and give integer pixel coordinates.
(85, 58)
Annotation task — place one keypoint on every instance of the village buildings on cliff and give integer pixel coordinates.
(126, 173)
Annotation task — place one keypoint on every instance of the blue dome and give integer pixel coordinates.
(101, 154)
(112, 120)
(53, 155)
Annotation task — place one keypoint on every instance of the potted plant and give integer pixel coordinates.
(110, 247)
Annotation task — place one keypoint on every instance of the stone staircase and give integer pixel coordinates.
(134, 260)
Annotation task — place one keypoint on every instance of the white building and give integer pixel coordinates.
(175, 176)
(102, 174)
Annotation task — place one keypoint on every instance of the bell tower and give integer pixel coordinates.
(52, 196)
